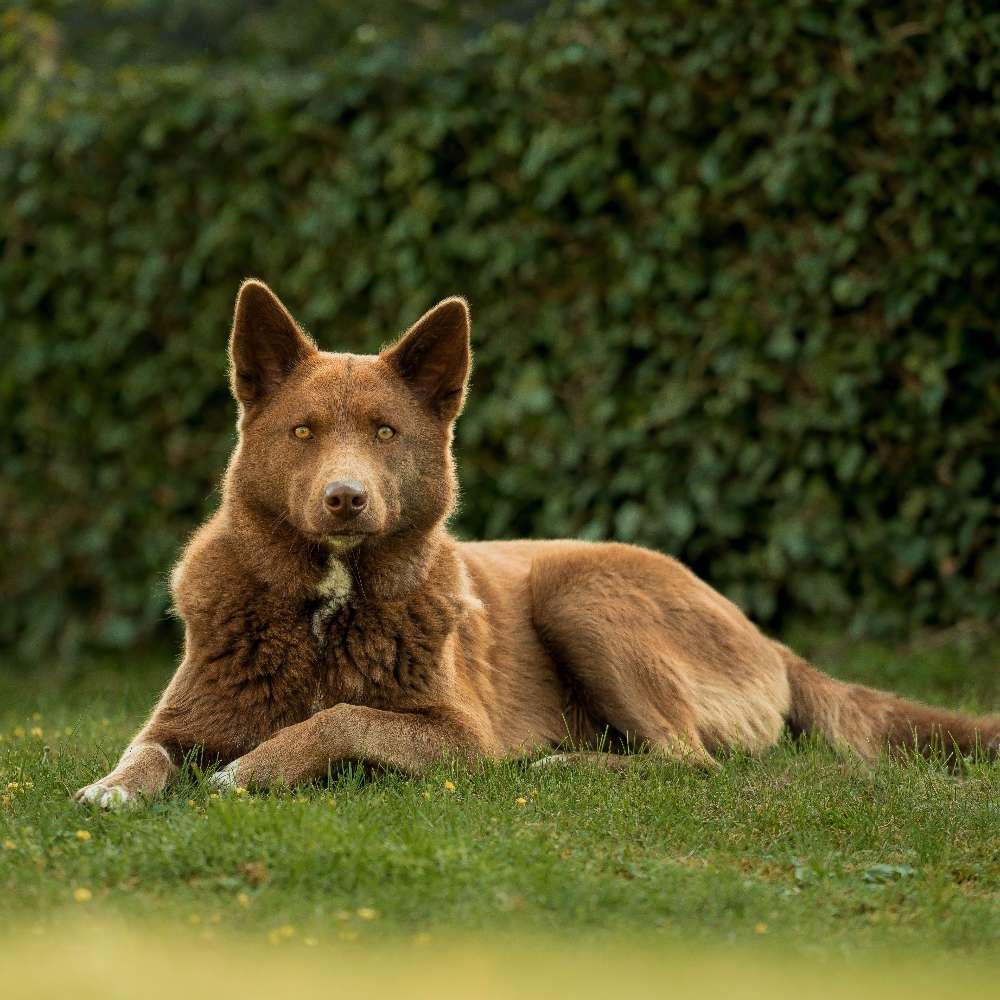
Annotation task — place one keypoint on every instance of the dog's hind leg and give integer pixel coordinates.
(608, 646)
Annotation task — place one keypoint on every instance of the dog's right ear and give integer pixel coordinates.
(266, 344)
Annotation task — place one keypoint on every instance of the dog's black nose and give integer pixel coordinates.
(345, 497)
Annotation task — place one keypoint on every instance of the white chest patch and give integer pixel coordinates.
(336, 585)
(334, 590)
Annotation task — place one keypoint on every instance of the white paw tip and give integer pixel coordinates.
(554, 760)
(115, 797)
(224, 780)
(104, 796)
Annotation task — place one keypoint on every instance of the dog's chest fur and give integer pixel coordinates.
(384, 654)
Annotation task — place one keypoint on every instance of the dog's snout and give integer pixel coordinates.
(345, 497)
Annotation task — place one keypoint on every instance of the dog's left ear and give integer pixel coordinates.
(433, 357)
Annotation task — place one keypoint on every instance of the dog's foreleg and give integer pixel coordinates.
(143, 771)
(307, 750)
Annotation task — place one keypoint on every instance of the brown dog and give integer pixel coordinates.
(330, 617)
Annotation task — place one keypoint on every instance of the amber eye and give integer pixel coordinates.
(302, 432)
(385, 432)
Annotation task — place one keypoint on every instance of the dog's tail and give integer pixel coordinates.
(870, 721)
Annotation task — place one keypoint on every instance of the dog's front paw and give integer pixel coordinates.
(105, 794)
(224, 780)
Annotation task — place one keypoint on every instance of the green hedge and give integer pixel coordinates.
(733, 270)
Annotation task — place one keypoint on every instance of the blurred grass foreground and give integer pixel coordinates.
(107, 962)
(732, 269)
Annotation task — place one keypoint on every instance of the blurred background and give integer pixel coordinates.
(733, 268)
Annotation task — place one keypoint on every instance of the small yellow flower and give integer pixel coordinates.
(427, 795)
(521, 800)
(449, 786)
(240, 790)
(280, 934)
(82, 895)
(9, 845)
(367, 913)
(760, 928)
(29, 784)
(192, 803)
(214, 795)
(4, 799)
(194, 918)
(12, 786)
(244, 900)
(83, 835)
(19, 731)
(36, 731)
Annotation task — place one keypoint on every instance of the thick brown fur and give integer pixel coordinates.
(330, 617)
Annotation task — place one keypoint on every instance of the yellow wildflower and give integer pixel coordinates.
(367, 913)
(83, 835)
(521, 800)
(760, 928)
(19, 731)
(240, 790)
(449, 786)
(82, 895)
(244, 900)
(194, 918)
(9, 845)
(36, 731)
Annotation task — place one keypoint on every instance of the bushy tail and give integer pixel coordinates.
(870, 721)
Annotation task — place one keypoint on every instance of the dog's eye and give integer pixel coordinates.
(302, 432)
(385, 432)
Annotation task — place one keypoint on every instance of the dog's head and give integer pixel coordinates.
(345, 448)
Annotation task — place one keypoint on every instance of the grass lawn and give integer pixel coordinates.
(794, 861)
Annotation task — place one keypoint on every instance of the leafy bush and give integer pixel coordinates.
(732, 267)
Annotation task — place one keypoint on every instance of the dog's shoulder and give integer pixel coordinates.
(208, 574)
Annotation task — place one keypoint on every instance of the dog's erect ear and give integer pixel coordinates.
(433, 357)
(265, 345)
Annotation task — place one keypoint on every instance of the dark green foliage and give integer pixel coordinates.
(733, 272)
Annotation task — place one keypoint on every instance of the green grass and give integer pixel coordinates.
(797, 850)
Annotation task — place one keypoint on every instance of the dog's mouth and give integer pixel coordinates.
(343, 541)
